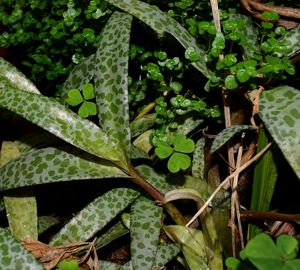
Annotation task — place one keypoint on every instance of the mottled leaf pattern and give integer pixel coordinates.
(49, 165)
(104, 265)
(54, 117)
(21, 208)
(113, 233)
(193, 245)
(161, 22)
(140, 125)
(46, 222)
(95, 216)
(249, 36)
(14, 256)
(11, 76)
(81, 74)
(155, 179)
(226, 134)
(145, 224)
(111, 79)
(137, 153)
(279, 110)
(188, 125)
(198, 165)
(166, 253)
(291, 41)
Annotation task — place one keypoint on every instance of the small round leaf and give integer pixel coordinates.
(230, 82)
(88, 91)
(74, 97)
(178, 161)
(242, 75)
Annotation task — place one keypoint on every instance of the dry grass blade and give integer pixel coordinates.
(226, 181)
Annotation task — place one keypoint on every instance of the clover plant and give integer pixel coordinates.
(68, 265)
(75, 98)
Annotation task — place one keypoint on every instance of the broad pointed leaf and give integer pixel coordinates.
(111, 79)
(49, 165)
(226, 134)
(279, 110)
(57, 119)
(145, 224)
(21, 208)
(10, 75)
(161, 22)
(105, 265)
(14, 256)
(95, 216)
(82, 73)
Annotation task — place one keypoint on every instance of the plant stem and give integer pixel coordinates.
(157, 195)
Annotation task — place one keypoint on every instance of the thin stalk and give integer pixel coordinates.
(157, 196)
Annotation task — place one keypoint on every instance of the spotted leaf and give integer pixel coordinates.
(14, 256)
(112, 234)
(155, 179)
(166, 253)
(82, 73)
(50, 165)
(11, 76)
(57, 119)
(105, 265)
(111, 83)
(226, 134)
(248, 39)
(45, 223)
(291, 41)
(161, 22)
(140, 125)
(145, 224)
(95, 216)
(198, 163)
(21, 208)
(279, 110)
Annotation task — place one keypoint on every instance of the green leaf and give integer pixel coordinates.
(292, 265)
(233, 263)
(21, 208)
(161, 22)
(264, 179)
(288, 245)
(157, 180)
(111, 83)
(116, 231)
(226, 134)
(88, 91)
(166, 253)
(11, 76)
(87, 109)
(271, 15)
(249, 35)
(242, 75)
(74, 97)
(262, 252)
(14, 256)
(279, 110)
(182, 144)
(193, 245)
(105, 265)
(163, 150)
(95, 216)
(140, 125)
(50, 165)
(54, 117)
(81, 74)
(46, 222)
(68, 265)
(230, 82)
(198, 164)
(290, 40)
(178, 161)
(145, 220)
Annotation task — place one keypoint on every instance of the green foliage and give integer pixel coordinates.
(75, 98)
(262, 253)
(68, 265)
(177, 151)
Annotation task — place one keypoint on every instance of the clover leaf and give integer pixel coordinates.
(75, 98)
(68, 265)
(178, 153)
